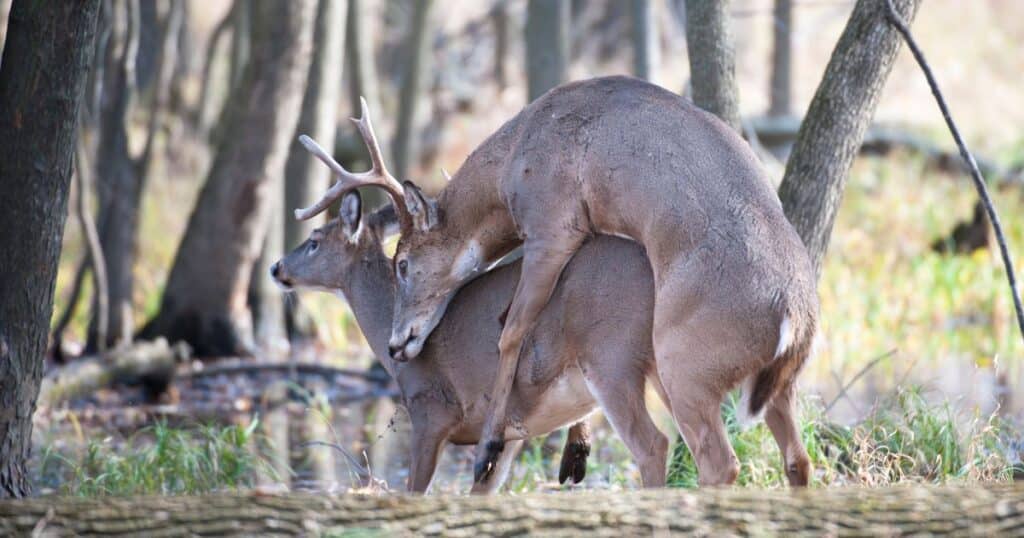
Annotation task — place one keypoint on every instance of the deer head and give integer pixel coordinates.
(429, 242)
(336, 250)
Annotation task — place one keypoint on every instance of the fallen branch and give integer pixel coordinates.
(308, 368)
(139, 362)
(972, 510)
(777, 132)
(896, 21)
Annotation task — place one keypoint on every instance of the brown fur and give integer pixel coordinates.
(623, 157)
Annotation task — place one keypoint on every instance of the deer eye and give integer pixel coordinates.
(313, 246)
(403, 268)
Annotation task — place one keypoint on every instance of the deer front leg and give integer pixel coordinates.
(426, 450)
(542, 264)
(495, 480)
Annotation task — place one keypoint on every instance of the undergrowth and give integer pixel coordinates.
(159, 460)
(903, 439)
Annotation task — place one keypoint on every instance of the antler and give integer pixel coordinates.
(346, 181)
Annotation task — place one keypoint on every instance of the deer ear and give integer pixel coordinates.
(421, 208)
(351, 212)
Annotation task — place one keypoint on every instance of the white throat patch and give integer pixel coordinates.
(467, 263)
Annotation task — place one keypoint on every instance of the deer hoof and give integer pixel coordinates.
(487, 462)
(574, 462)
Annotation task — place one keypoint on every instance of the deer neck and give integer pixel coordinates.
(475, 213)
(370, 292)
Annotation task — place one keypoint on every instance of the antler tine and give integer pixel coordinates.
(365, 127)
(336, 191)
(346, 181)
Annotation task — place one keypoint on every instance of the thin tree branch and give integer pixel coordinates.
(97, 259)
(867, 367)
(896, 21)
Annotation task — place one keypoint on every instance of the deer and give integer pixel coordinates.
(560, 381)
(735, 302)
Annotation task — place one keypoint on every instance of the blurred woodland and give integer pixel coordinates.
(170, 347)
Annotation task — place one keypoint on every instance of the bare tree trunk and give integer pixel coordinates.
(204, 111)
(840, 112)
(241, 43)
(122, 177)
(118, 184)
(713, 59)
(501, 21)
(45, 65)
(305, 179)
(646, 47)
(780, 98)
(360, 27)
(204, 301)
(418, 53)
(93, 258)
(5, 8)
(547, 45)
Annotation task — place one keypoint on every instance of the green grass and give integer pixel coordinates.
(157, 460)
(905, 438)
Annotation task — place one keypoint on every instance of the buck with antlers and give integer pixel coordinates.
(734, 295)
(561, 381)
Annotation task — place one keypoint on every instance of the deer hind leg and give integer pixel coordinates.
(575, 453)
(618, 385)
(543, 262)
(779, 417)
(502, 467)
(689, 367)
(700, 423)
(632, 422)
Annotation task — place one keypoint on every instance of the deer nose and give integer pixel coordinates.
(397, 351)
(275, 270)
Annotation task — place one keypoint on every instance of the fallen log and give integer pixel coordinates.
(977, 510)
(238, 367)
(151, 363)
(777, 133)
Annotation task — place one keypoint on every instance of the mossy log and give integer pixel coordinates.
(143, 362)
(991, 510)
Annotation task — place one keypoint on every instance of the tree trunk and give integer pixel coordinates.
(5, 9)
(46, 61)
(305, 177)
(501, 21)
(646, 47)
(122, 177)
(418, 52)
(836, 121)
(360, 26)
(241, 42)
(712, 59)
(782, 62)
(118, 185)
(547, 45)
(972, 510)
(362, 69)
(204, 301)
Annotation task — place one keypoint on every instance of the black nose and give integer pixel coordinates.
(397, 352)
(275, 270)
